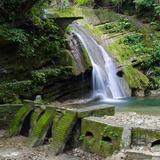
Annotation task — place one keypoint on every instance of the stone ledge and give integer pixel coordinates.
(95, 111)
(141, 155)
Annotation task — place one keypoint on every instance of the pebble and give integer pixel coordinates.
(134, 120)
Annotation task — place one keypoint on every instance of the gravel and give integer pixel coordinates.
(16, 148)
(133, 119)
(82, 155)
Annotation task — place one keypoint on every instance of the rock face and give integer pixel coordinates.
(68, 88)
(155, 92)
(43, 75)
(35, 56)
(139, 93)
(80, 56)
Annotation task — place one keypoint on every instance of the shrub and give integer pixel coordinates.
(155, 26)
(133, 39)
(124, 24)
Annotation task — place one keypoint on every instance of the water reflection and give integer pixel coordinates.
(147, 105)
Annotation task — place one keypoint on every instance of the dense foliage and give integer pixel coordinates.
(139, 7)
(35, 41)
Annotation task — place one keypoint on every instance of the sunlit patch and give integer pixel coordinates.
(11, 154)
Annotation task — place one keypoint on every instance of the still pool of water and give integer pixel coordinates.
(149, 105)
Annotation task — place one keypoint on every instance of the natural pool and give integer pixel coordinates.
(147, 105)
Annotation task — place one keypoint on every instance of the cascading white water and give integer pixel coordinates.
(106, 83)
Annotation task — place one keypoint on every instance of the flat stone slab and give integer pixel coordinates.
(142, 155)
(98, 110)
(99, 120)
(82, 111)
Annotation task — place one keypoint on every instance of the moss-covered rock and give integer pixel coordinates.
(17, 122)
(98, 137)
(144, 137)
(98, 111)
(7, 114)
(34, 118)
(135, 78)
(40, 129)
(63, 125)
(85, 57)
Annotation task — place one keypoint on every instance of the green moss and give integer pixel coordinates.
(34, 118)
(67, 60)
(120, 51)
(39, 131)
(17, 122)
(100, 130)
(63, 124)
(145, 137)
(105, 15)
(118, 26)
(67, 12)
(81, 2)
(40, 76)
(95, 31)
(7, 113)
(145, 132)
(86, 60)
(135, 78)
(10, 91)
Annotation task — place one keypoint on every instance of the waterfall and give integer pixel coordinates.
(106, 83)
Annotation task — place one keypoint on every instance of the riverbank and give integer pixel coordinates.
(16, 148)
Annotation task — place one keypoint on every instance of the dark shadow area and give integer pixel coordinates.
(26, 125)
(107, 139)
(73, 140)
(89, 135)
(155, 143)
(40, 115)
(48, 135)
(120, 74)
(98, 3)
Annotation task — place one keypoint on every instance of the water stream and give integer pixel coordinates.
(106, 84)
